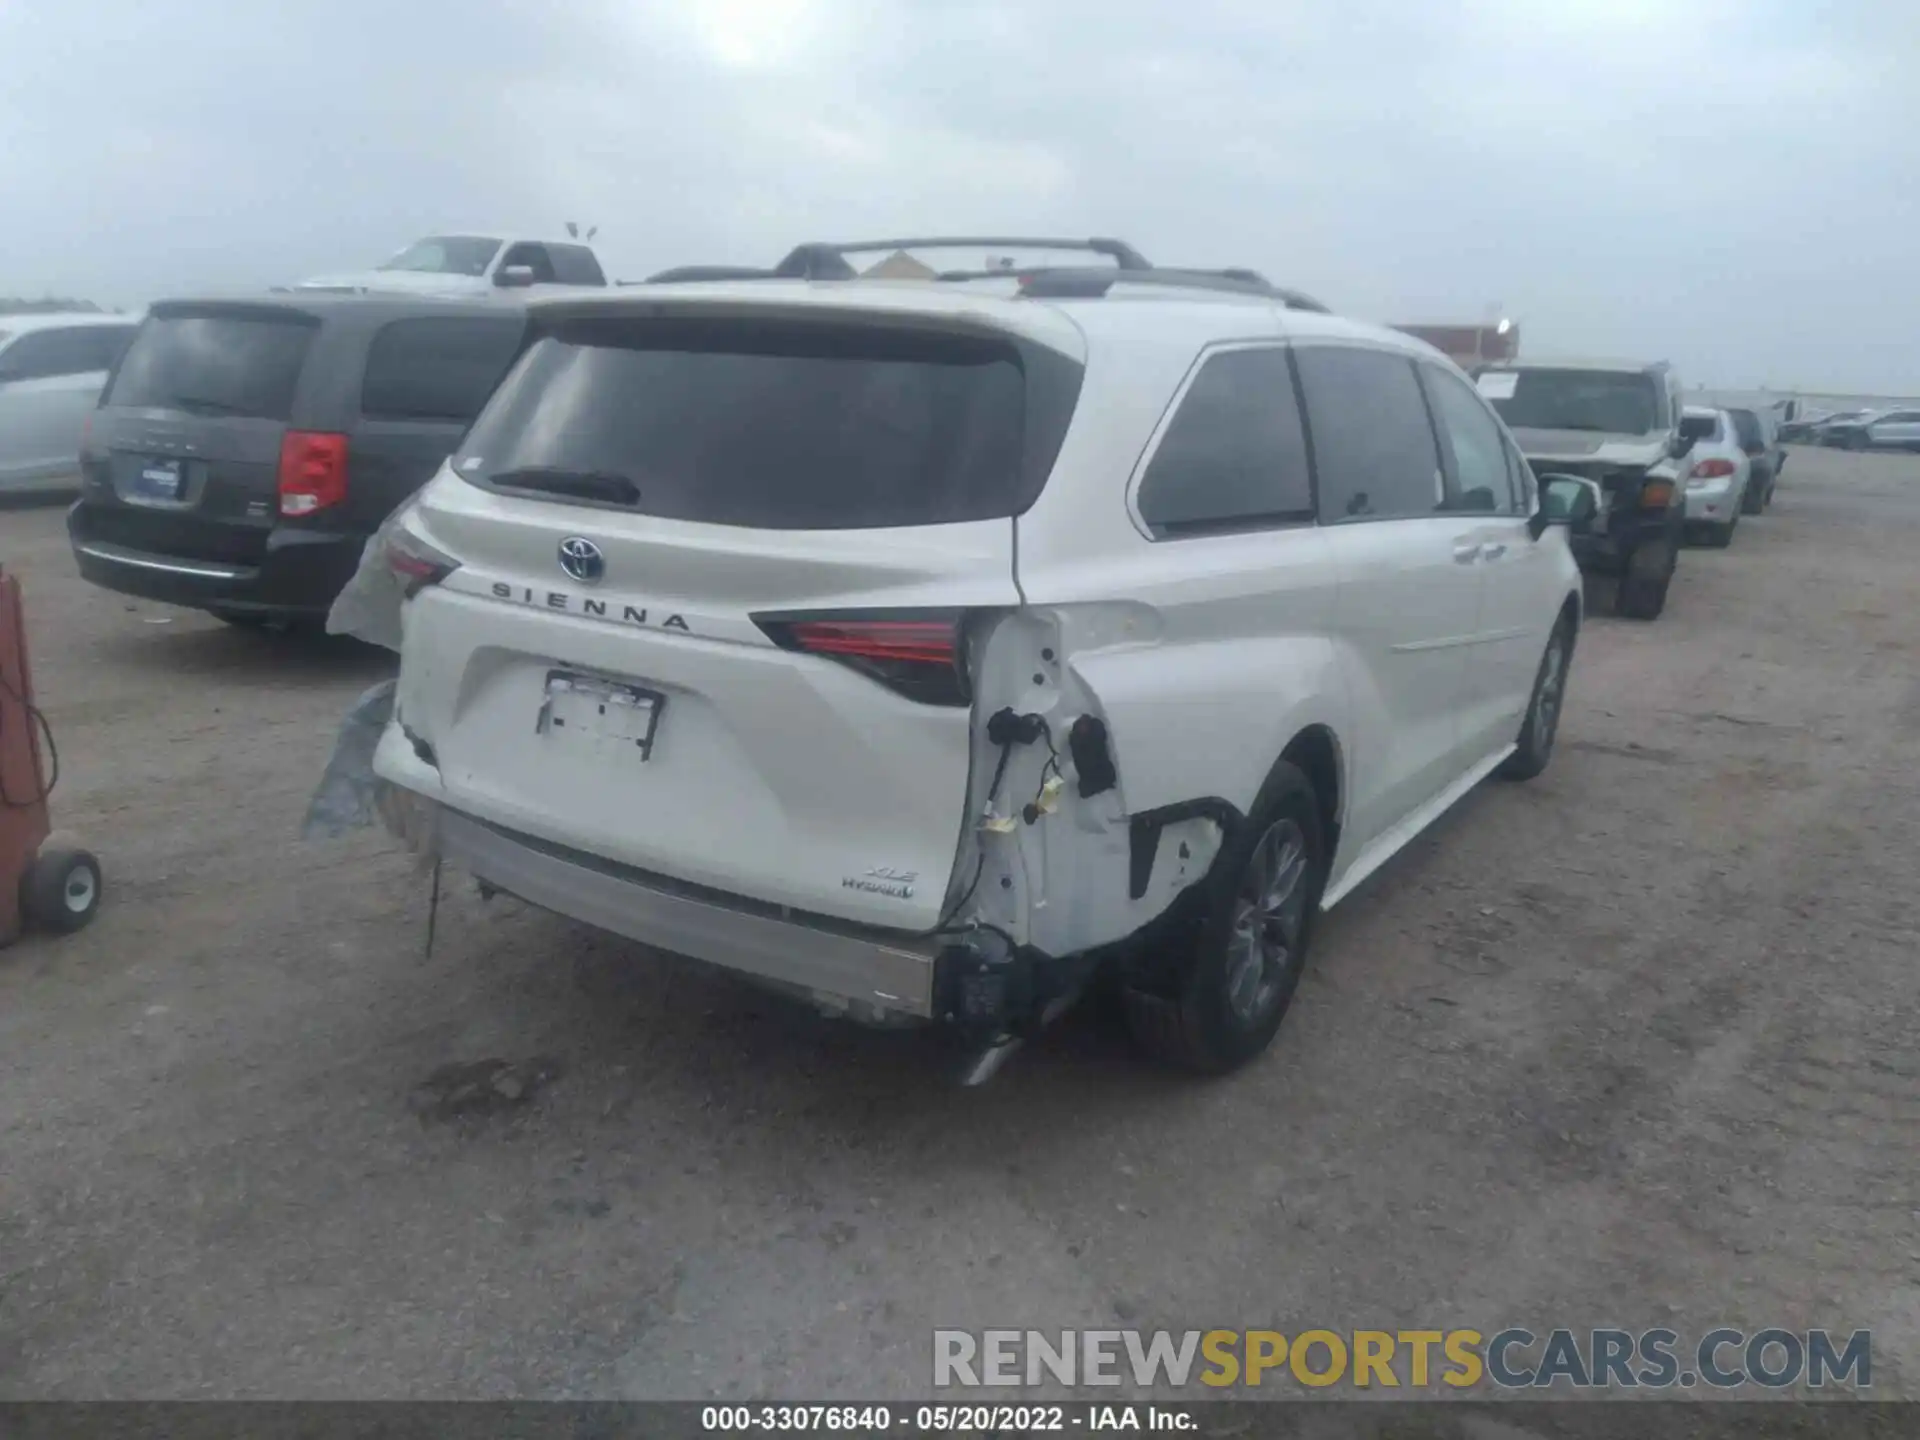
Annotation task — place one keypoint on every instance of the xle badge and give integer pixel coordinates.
(882, 880)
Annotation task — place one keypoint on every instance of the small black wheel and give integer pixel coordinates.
(61, 890)
(1753, 499)
(1534, 747)
(1224, 999)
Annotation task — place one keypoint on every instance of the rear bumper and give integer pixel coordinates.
(870, 974)
(840, 969)
(299, 576)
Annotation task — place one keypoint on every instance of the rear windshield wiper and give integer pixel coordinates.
(603, 485)
(203, 405)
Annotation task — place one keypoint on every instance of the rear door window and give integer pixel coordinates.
(1374, 452)
(1234, 456)
(575, 265)
(217, 363)
(437, 369)
(776, 424)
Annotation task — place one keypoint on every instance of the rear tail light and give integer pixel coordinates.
(415, 563)
(1656, 494)
(1711, 470)
(313, 472)
(917, 653)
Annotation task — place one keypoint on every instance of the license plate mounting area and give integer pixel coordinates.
(596, 713)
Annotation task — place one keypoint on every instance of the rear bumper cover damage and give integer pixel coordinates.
(975, 981)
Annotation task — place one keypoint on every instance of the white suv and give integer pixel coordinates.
(922, 649)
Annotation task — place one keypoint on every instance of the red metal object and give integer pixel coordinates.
(24, 824)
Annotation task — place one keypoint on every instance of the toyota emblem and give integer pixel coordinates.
(581, 559)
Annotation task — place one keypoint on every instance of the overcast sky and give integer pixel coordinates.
(1730, 184)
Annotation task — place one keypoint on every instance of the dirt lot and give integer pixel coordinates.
(1630, 1045)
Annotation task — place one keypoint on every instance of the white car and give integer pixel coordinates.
(920, 649)
(474, 265)
(1718, 473)
(52, 369)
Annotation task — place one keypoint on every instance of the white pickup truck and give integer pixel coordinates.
(475, 264)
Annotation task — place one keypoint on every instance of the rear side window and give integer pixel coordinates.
(775, 424)
(1373, 444)
(1234, 456)
(535, 258)
(575, 265)
(215, 364)
(437, 369)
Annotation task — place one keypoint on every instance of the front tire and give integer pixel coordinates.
(1223, 1001)
(1534, 747)
(1643, 589)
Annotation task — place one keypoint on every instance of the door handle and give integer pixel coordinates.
(1466, 554)
(1494, 551)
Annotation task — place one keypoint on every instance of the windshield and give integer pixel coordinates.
(762, 424)
(1613, 402)
(446, 255)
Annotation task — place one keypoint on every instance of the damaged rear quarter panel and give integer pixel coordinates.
(1200, 683)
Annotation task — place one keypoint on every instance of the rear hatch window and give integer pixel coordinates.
(776, 424)
(215, 364)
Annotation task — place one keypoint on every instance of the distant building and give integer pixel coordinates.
(899, 266)
(1468, 345)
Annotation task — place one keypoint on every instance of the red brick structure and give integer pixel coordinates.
(1468, 345)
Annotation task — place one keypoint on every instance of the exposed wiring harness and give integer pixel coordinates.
(35, 716)
(944, 925)
(1007, 730)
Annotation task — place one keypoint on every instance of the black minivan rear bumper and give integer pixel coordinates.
(298, 576)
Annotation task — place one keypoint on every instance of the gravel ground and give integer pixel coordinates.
(1629, 1045)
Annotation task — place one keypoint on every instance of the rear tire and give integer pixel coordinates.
(1753, 499)
(1223, 1000)
(1534, 747)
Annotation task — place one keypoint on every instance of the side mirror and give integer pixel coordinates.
(1569, 500)
(513, 277)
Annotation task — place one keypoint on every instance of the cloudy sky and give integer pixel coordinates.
(1730, 184)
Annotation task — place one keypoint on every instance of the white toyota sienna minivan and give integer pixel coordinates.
(923, 649)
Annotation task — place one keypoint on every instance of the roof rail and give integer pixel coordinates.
(1090, 284)
(821, 260)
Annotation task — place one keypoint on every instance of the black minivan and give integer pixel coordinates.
(244, 450)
